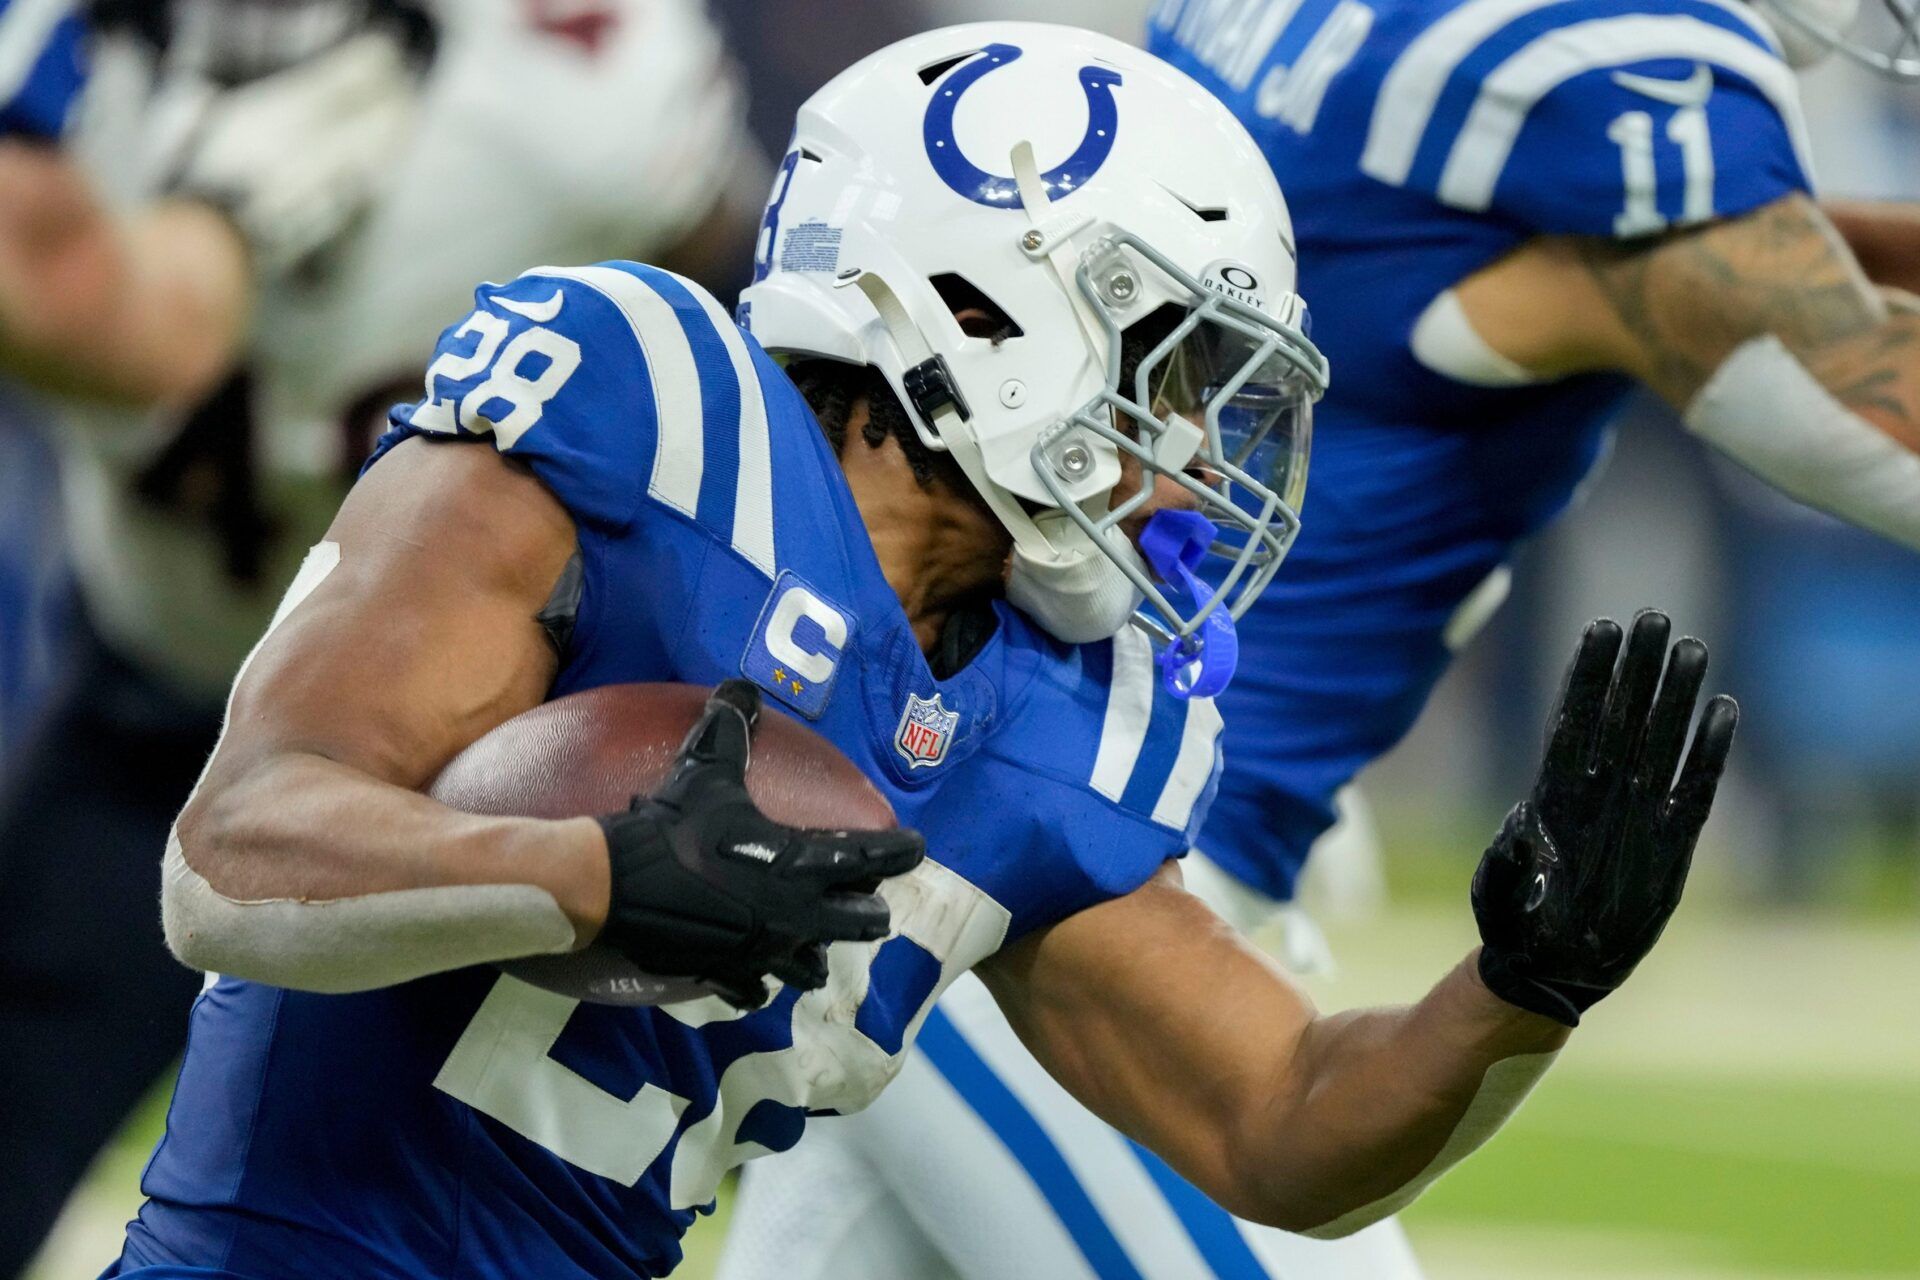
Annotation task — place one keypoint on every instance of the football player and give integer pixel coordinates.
(1509, 213)
(231, 267)
(1018, 401)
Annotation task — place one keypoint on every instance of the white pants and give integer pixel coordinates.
(975, 1165)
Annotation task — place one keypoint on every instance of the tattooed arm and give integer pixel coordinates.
(1671, 310)
(1762, 330)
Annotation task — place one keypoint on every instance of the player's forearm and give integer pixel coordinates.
(305, 872)
(1835, 425)
(1765, 334)
(1380, 1102)
(1884, 236)
(150, 311)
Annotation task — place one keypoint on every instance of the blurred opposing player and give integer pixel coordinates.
(42, 70)
(1508, 213)
(1001, 379)
(265, 208)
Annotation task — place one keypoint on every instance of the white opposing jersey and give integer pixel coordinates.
(547, 130)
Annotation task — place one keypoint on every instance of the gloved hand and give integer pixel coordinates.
(294, 156)
(705, 885)
(1583, 876)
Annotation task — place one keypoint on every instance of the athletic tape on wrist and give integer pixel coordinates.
(1764, 410)
(1502, 1089)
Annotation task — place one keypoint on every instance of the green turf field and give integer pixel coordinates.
(1749, 1107)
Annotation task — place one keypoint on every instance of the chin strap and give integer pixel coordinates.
(1200, 666)
(915, 350)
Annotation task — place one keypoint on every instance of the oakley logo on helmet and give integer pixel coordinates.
(1235, 281)
(992, 190)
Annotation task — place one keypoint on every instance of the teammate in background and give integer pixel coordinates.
(1509, 212)
(227, 274)
(1000, 380)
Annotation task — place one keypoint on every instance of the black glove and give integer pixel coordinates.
(1581, 879)
(706, 886)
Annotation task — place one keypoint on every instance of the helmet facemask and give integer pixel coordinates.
(1222, 406)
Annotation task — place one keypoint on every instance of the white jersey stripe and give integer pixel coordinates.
(1119, 1186)
(752, 533)
(1129, 708)
(1192, 767)
(1511, 90)
(680, 455)
(1412, 89)
(25, 27)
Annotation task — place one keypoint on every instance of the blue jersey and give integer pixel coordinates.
(42, 66)
(1418, 141)
(471, 1125)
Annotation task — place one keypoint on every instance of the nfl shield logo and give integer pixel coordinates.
(925, 732)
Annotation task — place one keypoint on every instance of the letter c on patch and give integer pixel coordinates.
(798, 603)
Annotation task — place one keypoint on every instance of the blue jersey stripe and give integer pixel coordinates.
(1157, 754)
(1028, 1143)
(719, 396)
(1210, 1227)
(1463, 83)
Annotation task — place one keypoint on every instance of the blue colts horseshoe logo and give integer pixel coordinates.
(990, 189)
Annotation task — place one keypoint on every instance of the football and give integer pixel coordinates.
(589, 753)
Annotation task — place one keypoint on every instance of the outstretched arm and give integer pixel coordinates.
(1761, 330)
(1163, 1021)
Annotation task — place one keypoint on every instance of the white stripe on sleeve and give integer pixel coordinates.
(1129, 708)
(680, 452)
(1192, 768)
(752, 533)
(1412, 89)
(1479, 154)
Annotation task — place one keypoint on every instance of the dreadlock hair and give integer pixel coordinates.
(832, 388)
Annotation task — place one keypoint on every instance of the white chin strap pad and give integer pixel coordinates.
(1079, 599)
(1766, 412)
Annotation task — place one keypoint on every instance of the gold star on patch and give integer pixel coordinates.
(795, 684)
(779, 676)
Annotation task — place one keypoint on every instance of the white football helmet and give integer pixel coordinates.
(1883, 37)
(916, 179)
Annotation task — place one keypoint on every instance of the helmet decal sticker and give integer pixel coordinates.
(992, 190)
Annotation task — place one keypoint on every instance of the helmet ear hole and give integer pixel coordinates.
(979, 315)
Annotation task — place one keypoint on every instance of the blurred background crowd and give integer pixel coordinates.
(1762, 1116)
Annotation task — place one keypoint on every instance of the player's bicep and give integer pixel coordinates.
(1160, 1018)
(414, 629)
